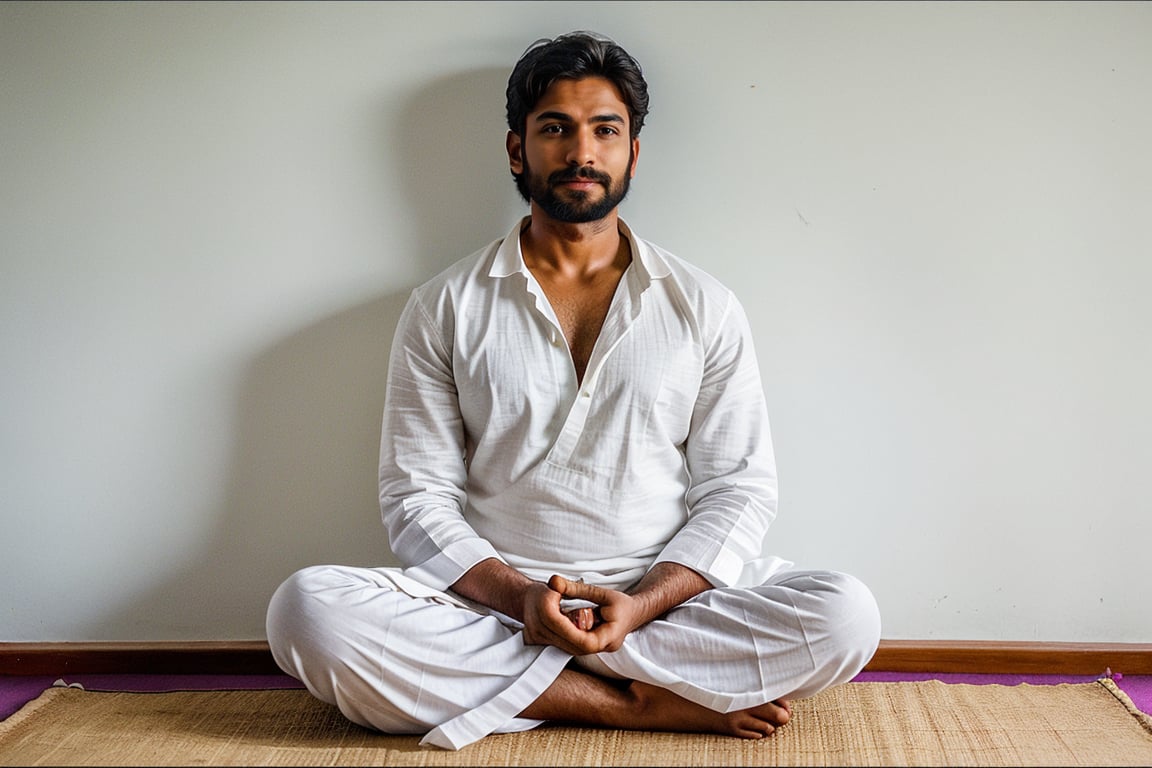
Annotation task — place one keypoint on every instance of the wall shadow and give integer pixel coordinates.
(455, 170)
(302, 489)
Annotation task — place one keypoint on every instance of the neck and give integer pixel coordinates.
(562, 246)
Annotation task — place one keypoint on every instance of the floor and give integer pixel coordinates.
(15, 691)
(1138, 687)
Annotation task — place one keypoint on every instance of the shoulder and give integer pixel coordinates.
(686, 273)
(659, 263)
(695, 289)
(434, 306)
(457, 276)
(479, 271)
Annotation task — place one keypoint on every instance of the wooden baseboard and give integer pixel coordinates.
(191, 658)
(253, 658)
(1002, 658)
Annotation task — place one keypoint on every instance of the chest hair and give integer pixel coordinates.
(581, 312)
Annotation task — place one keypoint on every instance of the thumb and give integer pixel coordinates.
(578, 589)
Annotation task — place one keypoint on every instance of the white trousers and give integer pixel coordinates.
(400, 657)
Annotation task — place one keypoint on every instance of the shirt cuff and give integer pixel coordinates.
(446, 568)
(721, 566)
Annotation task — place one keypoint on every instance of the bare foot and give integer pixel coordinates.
(578, 697)
(659, 709)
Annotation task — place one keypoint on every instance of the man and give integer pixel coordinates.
(577, 473)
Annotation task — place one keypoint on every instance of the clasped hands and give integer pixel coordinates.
(578, 631)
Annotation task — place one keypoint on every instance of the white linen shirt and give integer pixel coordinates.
(490, 447)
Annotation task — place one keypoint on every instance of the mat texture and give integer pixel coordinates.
(903, 723)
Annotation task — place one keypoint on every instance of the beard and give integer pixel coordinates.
(574, 207)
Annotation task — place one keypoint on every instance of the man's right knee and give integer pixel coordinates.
(299, 613)
(324, 626)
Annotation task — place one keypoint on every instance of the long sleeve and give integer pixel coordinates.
(491, 447)
(732, 490)
(422, 468)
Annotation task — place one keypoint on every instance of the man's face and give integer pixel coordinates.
(576, 157)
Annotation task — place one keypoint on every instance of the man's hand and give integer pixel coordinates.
(580, 631)
(583, 630)
(537, 605)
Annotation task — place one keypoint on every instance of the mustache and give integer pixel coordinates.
(576, 174)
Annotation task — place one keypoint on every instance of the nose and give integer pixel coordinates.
(582, 149)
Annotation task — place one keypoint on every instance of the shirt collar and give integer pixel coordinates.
(509, 260)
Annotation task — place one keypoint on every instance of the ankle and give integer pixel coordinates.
(642, 702)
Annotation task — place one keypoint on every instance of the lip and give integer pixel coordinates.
(580, 184)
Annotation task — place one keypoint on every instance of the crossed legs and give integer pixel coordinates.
(728, 661)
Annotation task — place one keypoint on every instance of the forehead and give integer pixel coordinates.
(582, 98)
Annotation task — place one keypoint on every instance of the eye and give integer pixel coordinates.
(552, 128)
(607, 130)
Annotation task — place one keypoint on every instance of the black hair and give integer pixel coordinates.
(574, 56)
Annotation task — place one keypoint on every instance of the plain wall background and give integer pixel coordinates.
(939, 216)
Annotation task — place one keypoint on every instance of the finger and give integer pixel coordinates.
(569, 636)
(558, 583)
(578, 617)
(582, 618)
(579, 590)
(566, 623)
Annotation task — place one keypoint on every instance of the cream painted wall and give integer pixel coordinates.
(937, 215)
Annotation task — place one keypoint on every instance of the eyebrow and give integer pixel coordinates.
(566, 118)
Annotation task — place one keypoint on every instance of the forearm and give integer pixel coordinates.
(665, 586)
(496, 585)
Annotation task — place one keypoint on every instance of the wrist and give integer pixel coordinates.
(665, 586)
(497, 585)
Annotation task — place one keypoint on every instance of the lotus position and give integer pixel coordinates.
(577, 475)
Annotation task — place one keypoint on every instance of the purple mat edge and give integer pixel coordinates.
(16, 691)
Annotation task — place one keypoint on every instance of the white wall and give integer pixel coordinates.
(938, 215)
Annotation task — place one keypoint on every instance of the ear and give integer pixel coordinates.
(515, 146)
(635, 158)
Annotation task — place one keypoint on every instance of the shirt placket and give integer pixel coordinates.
(616, 326)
